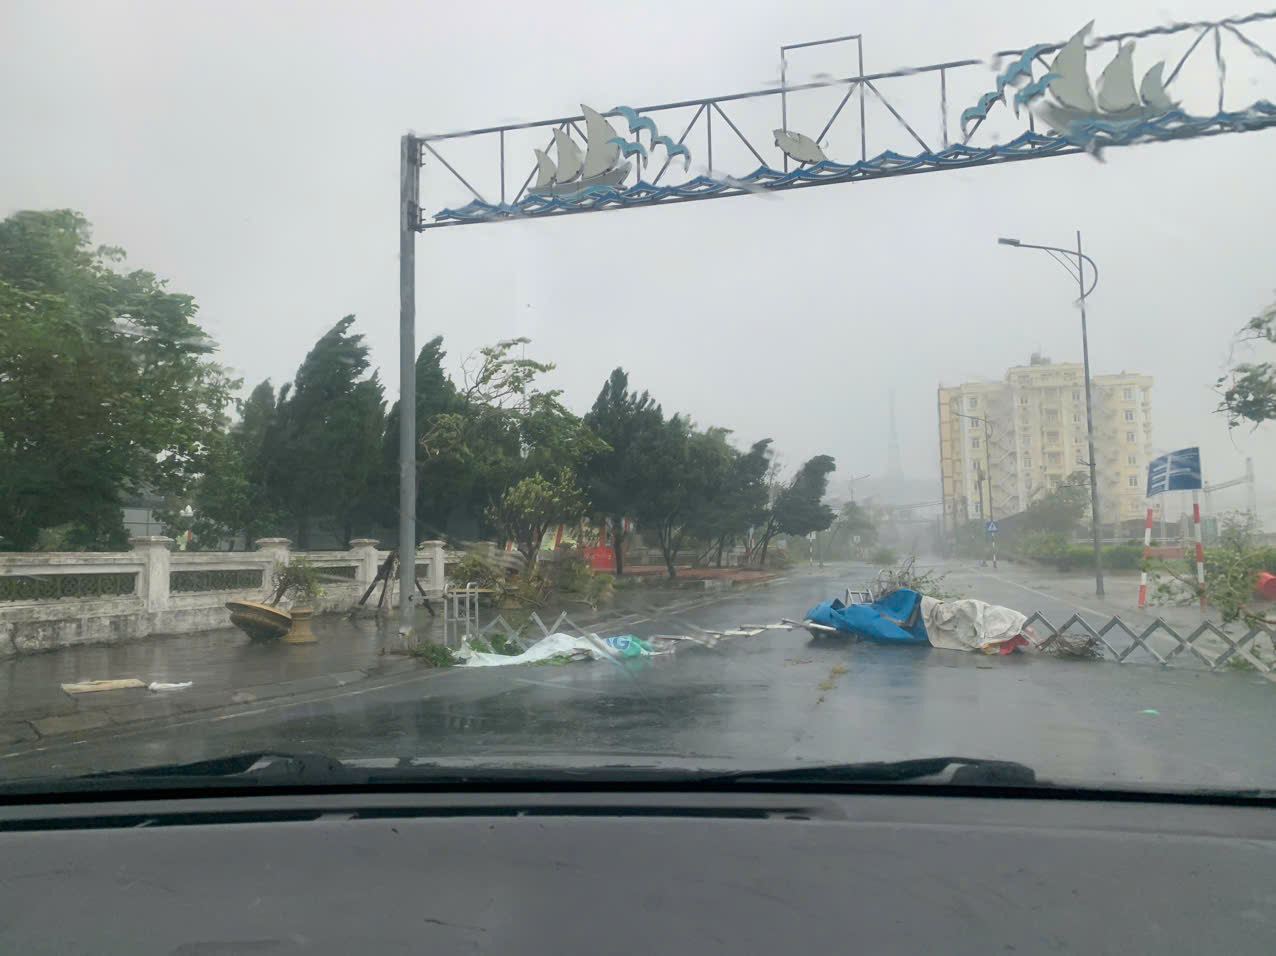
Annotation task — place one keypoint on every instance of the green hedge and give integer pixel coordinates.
(1076, 557)
(1260, 559)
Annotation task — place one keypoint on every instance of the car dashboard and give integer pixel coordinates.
(625, 870)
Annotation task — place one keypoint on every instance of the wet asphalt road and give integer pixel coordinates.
(777, 699)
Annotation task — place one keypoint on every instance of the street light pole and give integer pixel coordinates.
(1082, 259)
(1089, 424)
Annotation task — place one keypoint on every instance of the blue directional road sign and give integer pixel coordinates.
(1178, 471)
(992, 527)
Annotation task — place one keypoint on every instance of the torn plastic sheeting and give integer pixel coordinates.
(905, 616)
(161, 685)
(570, 647)
(894, 618)
(972, 625)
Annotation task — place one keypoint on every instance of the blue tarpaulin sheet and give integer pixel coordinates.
(896, 617)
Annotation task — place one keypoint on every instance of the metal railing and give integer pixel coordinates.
(1159, 640)
(462, 623)
(461, 613)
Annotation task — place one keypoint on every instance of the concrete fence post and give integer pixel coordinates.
(365, 552)
(152, 587)
(437, 583)
(273, 551)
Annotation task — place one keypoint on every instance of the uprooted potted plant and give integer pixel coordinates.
(299, 582)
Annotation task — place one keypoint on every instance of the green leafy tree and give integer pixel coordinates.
(231, 497)
(852, 522)
(322, 448)
(526, 511)
(617, 478)
(739, 503)
(693, 468)
(797, 506)
(1249, 389)
(441, 480)
(1061, 510)
(107, 388)
(501, 429)
(1231, 575)
(800, 509)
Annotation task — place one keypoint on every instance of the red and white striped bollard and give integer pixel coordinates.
(1200, 551)
(1143, 576)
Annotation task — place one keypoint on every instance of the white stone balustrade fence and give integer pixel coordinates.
(56, 599)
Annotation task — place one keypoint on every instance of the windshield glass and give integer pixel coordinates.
(916, 444)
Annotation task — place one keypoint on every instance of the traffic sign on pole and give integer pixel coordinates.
(992, 527)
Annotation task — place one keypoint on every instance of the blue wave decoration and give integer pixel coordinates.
(1090, 136)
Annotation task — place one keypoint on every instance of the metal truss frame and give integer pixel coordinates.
(957, 147)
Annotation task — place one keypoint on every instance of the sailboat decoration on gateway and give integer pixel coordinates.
(1114, 102)
(573, 173)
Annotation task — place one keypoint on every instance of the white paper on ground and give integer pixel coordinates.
(91, 686)
(160, 685)
(969, 624)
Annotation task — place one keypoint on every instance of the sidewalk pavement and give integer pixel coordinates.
(1120, 599)
(224, 667)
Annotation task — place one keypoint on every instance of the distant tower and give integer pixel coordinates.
(894, 469)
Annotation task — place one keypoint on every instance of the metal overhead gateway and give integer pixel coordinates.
(1009, 123)
(1038, 107)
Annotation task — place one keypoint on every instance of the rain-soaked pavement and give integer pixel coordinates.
(777, 699)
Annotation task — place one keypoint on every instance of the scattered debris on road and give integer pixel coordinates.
(156, 685)
(569, 647)
(93, 686)
(906, 616)
(1076, 647)
(573, 647)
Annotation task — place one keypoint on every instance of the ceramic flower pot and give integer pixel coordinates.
(300, 632)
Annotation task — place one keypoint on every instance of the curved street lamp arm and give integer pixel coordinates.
(1067, 252)
(1066, 263)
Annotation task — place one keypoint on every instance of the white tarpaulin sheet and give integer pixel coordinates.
(571, 647)
(968, 624)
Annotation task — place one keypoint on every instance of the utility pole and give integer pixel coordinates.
(409, 185)
(988, 464)
(988, 459)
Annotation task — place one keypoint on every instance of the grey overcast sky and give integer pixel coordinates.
(248, 151)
